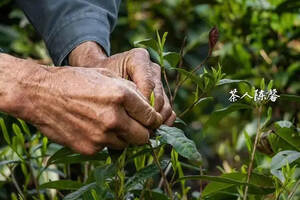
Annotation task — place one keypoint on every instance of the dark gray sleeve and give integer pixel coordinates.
(64, 24)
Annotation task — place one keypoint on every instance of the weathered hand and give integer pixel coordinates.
(134, 65)
(85, 109)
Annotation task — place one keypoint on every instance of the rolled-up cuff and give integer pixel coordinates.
(77, 30)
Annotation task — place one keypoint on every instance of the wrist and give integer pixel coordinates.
(16, 78)
(87, 54)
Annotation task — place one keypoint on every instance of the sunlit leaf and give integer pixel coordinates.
(172, 58)
(285, 131)
(147, 43)
(4, 131)
(176, 138)
(25, 127)
(229, 81)
(284, 157)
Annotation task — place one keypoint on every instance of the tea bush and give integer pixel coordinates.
(219, 147)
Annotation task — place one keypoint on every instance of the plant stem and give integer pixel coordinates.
(161, 182)
(178, 75)
(189, 108)
(14, 181)
(35, 180)
(167, 83)
(257, 138)
(201, 183)
(194, 70)
(167, 185)
(294, 190)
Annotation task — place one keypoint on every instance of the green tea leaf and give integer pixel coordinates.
(150, 194)
(176, 138)
(103, 172)
(262, 84)
(5, 162)
(75, 195)
(172, 58)
(288, 133)
(62, 185)
(25, 127)
(270, 85)
(18, 133)
(152, 99)
(258, 183)
(288, 6)
(217, 115)
(289, 97)
(4, 131)
(158, 40)
(149, 43)
(142, 175)
(67, 156)
(204, 100)
(179, 121)
(229, 81)
(284, 157)
(163, 40)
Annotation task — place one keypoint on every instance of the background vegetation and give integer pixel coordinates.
(258, 43)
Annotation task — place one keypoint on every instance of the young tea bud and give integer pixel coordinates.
(213, 39)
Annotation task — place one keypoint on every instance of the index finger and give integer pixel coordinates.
(140, 110)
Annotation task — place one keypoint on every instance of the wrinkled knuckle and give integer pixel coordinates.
(96, 138)
(150, 116)
(119, 96)
(150, 84)
(140, 52)
(88, 150)
(112, 121)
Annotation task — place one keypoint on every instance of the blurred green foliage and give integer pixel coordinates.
(258, 39)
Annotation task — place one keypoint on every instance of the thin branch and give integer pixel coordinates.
(201, 182)
(193, 71)
(257, 138)
(178, 75)
(167, 185)
(294, 190)
(14, 181)
(189, 108)
(167, 83)
(161, 182)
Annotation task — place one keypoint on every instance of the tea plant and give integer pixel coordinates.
(39, 169)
